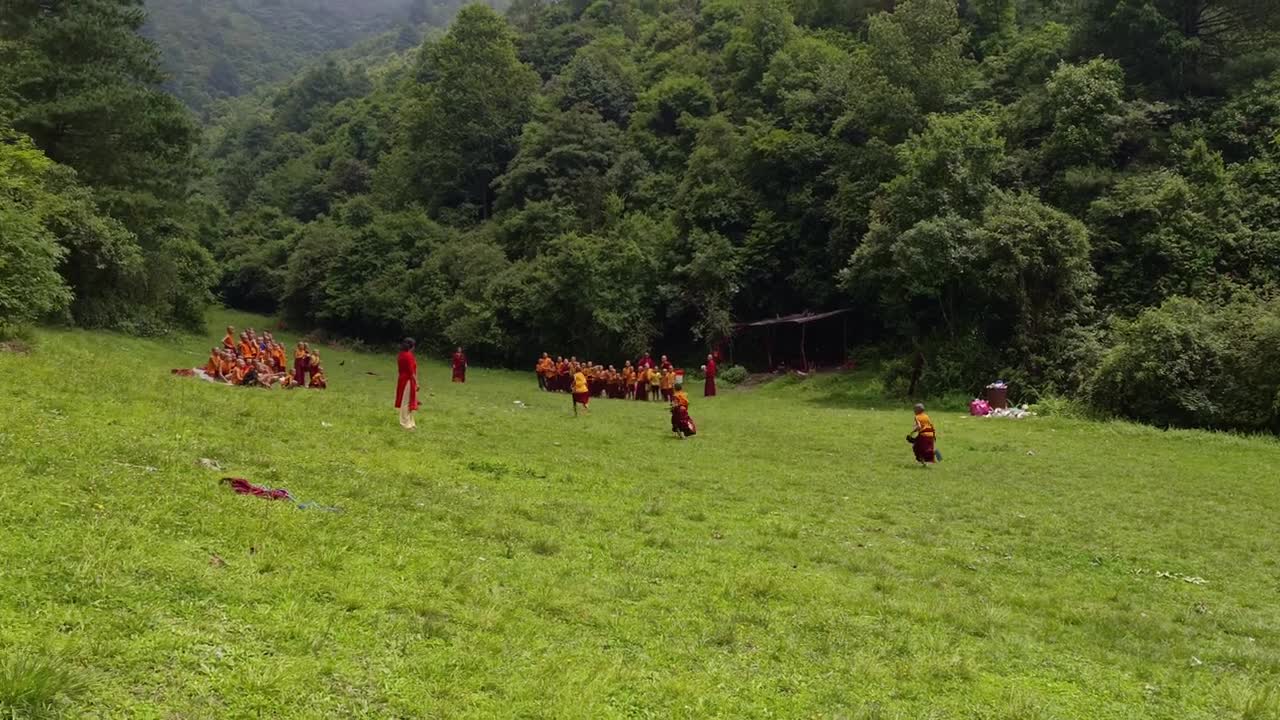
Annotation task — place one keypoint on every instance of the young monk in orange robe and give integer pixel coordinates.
(668, 382)
(246, 348)
(239, 372)
(278, 358)
(214, 366)
(318, 381)
(229, 342)
(543, 369)
(628, 380)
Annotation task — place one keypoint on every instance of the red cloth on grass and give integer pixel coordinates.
(244, 487)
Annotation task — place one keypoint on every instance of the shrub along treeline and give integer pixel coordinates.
(1033, 189)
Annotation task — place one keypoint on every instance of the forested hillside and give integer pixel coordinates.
(99, 221)
(214, 49)
(1003, 186)
(1082, 197)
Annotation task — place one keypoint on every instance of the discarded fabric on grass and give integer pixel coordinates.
(244, 487)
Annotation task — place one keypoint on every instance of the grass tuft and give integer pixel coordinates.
(37, 687)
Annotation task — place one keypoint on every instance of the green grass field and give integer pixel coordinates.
(790, 561)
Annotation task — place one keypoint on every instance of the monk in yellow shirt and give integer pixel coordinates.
(628, 380)
(667, 384)
(581, 396)
(922, 438)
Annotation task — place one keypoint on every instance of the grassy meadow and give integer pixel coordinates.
(506, 561)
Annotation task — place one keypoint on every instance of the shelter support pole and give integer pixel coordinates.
(804, 358)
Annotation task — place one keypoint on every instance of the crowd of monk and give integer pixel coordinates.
(254, 360)
(646, 380)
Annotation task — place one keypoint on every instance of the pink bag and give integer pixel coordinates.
(979, 408)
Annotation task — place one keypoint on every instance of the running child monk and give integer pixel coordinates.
(580, 394)
(681, 424)
(922, 438)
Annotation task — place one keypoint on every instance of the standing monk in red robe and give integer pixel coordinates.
(408, 366)
(709, 389)
(459, 366)
(301, 364)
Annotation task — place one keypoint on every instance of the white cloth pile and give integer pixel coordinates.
(1015, 413)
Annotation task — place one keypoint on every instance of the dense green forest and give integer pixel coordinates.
(1081, 196)
(216, 49)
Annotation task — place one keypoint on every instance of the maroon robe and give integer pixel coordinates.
(709, 388)
(408, 366)
(459, 367)
(300, 367)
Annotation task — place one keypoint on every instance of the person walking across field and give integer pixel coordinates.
(923, 437)
(408, 367)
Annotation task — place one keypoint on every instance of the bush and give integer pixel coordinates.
(733, 375)
(1191, 365)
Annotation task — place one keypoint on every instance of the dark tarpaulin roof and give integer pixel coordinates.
(796, 319)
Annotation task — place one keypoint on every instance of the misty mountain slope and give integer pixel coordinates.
(215, 49)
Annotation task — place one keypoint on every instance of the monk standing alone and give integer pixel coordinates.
(408, 366)
(459, 366)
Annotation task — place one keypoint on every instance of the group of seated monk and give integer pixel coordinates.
(260, 361)
(645, 380)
